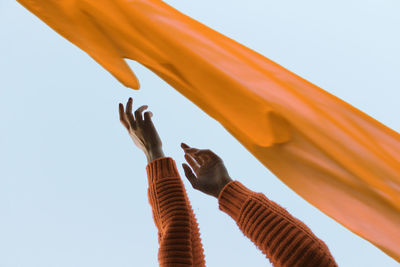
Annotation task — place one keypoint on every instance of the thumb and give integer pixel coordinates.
(190, 175)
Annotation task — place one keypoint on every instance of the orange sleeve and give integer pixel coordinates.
(178, 231)
(285, 240)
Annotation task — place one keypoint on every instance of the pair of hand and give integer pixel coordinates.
(207, 172)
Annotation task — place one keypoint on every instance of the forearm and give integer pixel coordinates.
(285, 240)
(178, 232)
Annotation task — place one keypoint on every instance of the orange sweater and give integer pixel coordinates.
(285, 240)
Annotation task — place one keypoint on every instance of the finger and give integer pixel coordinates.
(206, 153)
(203, 156)
(138, 114)
(184, 146)
(192, 163)
(122, 116)
(149, 122)
(147, 116)
(190, 150)
(129, 105)
(129, 115)
(198, 159)
(190, 175)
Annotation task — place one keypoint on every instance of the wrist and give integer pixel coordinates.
(223, 183)
(154, 153)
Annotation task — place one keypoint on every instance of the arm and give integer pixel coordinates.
(178, 232)
(285, 240)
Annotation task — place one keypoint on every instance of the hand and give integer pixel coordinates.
(210, 175)
(142, 130)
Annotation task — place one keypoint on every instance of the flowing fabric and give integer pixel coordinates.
(336, 157)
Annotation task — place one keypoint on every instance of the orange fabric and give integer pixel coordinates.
(339, 159)
(286, 241)
(178, 231)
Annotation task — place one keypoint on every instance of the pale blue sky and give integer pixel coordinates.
(72, 184)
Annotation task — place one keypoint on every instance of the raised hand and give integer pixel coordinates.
(207, 173)
(141, 129)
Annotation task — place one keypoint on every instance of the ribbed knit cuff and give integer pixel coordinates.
(161, 168)
(232, 197)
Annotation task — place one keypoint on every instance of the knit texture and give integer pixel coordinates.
(285, 240)
(178, 231)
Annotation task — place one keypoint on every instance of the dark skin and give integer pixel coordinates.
(205, 171)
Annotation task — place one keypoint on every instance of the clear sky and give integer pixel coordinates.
(72, 183)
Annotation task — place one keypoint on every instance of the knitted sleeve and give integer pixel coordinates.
(178, 231)
(285, 240)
